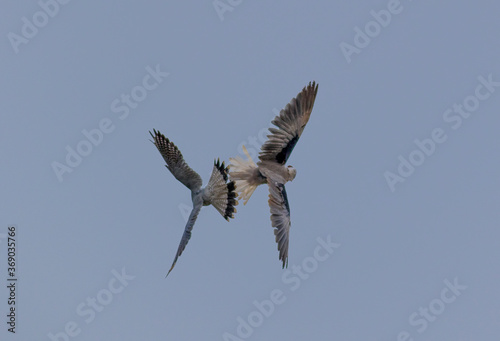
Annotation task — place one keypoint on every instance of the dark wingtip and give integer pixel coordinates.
(153, 136)
(158, 137)
(312, 86)
(311, 90)
(157, 133)
(171, 268)
(222, 169)
(231, 201)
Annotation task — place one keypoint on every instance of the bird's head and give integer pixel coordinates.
(292, 172)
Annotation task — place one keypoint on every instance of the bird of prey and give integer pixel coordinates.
(219, 192)
(271, 168)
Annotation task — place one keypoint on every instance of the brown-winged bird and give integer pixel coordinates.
(271, 168)
(219, 192)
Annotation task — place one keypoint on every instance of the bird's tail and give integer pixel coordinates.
(245, 174)
(221, 193)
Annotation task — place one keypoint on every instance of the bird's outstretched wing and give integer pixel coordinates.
(175, 162)
(291, 123)
(187, 233)
(280, 218)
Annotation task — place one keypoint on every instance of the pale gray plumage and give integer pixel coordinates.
(219, 192)
(271, 169)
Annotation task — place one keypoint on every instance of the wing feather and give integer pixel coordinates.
(290, 123)
(187, 233)
(175, 162)
(280, 218)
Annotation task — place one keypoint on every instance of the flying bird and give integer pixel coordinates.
(220, 193)
(271, 168)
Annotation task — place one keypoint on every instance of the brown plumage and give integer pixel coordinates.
(219, 192)
(272, 169)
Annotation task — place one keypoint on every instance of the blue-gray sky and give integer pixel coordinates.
(397, 169)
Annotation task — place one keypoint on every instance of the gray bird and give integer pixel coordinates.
(271, 168)
(219, 192)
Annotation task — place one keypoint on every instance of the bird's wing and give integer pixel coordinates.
(221, 193)
(280, 218)
(290, 124)
(175, 162)
(187, 233)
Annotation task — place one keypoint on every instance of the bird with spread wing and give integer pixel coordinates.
(220, 193)
(271, 168)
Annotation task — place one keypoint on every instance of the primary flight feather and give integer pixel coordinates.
(271, 168)
(220, 193)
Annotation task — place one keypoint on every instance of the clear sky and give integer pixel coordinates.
(395, 217)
